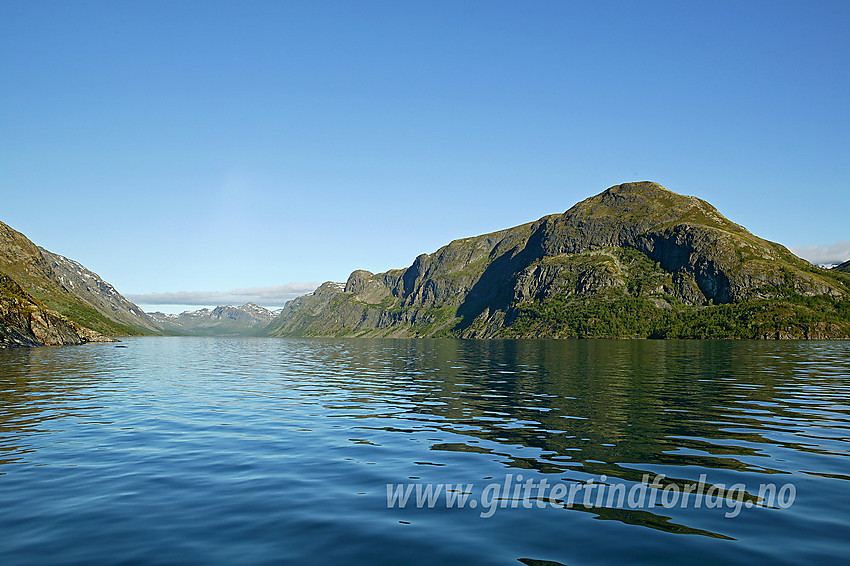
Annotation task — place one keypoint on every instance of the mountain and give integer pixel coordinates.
(39, 283)
(844, 267)
(636, 260)
(225, 320)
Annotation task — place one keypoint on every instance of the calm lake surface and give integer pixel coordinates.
(218, 450)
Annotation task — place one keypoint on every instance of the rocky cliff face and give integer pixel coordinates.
(636, 241)
(67, 289)
(24, 321)
(225, 320)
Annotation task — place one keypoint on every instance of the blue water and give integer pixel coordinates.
(255, 451)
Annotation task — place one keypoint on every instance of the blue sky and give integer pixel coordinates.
(218, 146)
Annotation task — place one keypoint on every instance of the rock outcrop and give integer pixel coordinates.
(24, 321)
(635, 241)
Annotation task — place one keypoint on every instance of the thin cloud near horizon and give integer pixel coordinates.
(838, 252)
(275, 295)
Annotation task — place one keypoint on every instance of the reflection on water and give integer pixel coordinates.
(263, 450)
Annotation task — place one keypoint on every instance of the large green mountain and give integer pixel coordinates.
(74, 303)
(636, 260)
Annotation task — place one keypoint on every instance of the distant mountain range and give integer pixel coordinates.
(225, 320)
(636, 260)
(48, 299)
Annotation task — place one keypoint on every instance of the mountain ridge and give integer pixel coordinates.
(223, 320)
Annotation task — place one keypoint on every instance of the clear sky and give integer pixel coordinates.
(220, 146)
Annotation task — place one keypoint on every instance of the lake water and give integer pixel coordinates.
(244, 451)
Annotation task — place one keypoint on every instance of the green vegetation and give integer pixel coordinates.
(645, 275)
(88, 317)
(615, 315)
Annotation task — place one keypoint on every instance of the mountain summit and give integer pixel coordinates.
(636, 260)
